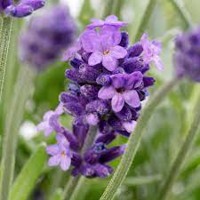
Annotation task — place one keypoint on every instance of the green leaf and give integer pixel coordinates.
(57, 195)
(29, 175)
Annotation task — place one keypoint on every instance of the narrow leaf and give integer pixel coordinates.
(29, 175)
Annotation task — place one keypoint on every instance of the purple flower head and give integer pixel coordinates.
(123, 90)
(50, 121)
(22, 9)
(60, 153)
(108, 82)
(111, 20)
(151, 51)
(46, 37)
(103, 47)
(187, 55)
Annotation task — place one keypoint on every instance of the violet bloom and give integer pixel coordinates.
(46, 37)
(187, 55)
(104, 46)
(50, 121)
(151, 51)
(21, 9)
(123, 90)
(111, 20)
(108, 82)
(60, 153)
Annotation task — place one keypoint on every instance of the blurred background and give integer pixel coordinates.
(166, 129)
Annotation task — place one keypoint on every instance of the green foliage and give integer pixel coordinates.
(163, 135)
(27, 178)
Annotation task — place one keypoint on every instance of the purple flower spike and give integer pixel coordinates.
(187, 55)
(60, 153)
(151, 51)
(46, 35)
(104, 47)
(108, 82)
(111, 20)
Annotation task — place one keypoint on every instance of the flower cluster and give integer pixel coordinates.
(108, 83)
(21, 9)
(187, 55)
(47, 36)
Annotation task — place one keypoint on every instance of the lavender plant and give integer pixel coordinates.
(46, 36)
(108, 83)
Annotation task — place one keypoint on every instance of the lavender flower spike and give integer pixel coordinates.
(108, 83)
(46, 36)
(187, 55)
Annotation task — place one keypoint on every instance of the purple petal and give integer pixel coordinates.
(95, 58)
(158, 63)
(111, 18)
(131, 97)
(54, 160)
(90, 41)
(109, 62)
(118, 52)
(118, 80)
(117, 102)
(71, 52)
(52, 149)
(106, 92)
(110, 36)
(65, 162)
(92, 119)
(129, 126)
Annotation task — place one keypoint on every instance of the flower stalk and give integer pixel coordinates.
(180, 7)
(145, 19)
(134, 140)
(12, 123)
(6, 32)
(175, 168)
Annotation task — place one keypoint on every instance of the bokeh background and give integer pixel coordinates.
(163, 135)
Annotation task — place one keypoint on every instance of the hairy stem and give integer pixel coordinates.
(12, 123)
(74, 181)
(175, 168)
(185, 16)
(145, 19)
(134, 141)
(6, 31)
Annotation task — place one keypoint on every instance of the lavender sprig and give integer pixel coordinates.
(108, 83)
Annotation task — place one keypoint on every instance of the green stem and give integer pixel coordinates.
(134, 140)
(117, 7)
(145, 19)
(12, 70)
(5, 37)
(185, 16)
(174, 170)
(12, 123)
(74, 181)
(108, 8)
(78, 188)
